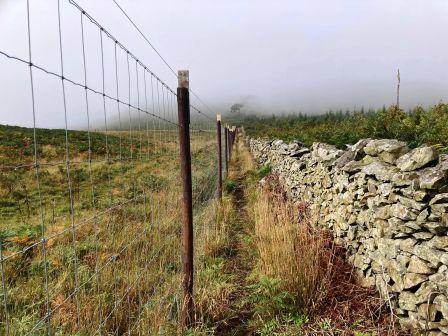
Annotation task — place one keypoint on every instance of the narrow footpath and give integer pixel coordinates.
(240, 257)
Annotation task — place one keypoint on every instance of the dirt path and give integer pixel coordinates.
(240, 261)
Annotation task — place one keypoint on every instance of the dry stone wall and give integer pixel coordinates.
(388, 205)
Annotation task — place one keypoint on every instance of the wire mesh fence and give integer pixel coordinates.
(90, 219)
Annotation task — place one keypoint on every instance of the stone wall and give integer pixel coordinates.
(388, 205)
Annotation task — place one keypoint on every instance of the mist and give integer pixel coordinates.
(277, 57)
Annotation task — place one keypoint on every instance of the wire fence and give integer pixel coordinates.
(90, 219)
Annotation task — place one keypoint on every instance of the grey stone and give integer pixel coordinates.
(355, 166)
(425, 252)
(408, 202)
(382, 229)
(277, 143)
(325, 152)
(367, 281)
(417, 158)
(418, 195)
(427, 311)
(442, 303)
(361, 262)
(401, 179)
(444, 259)
(396, 269)
(359, 146)
(433, 217)
(435, 227)
(381, 283)
(433, 325)
(400, 211)
(375, 147)
(382, 213)
(422, 216)
(417, 265)
(284, 149)
(439, 208)
(407, 245)
(385, 189)
(442, 332)
(345, 159)
(299, 152)
(432, 178)
(439, 242)
(440, 198)
(408, 322)
(389, 157)
(372, 185)
(413, 279)
(407, 301)
(423, 235)
(294, 145)
(444, 219)
(441, 277)
(414, 225)
(426, 291)
(381, 170)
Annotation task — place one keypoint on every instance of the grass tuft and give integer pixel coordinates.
(291, 251)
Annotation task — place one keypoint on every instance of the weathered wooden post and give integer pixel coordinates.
(398, 88)
(226, 140)
(183, 105)
(230, 143)
(218, 134)
(232, 140)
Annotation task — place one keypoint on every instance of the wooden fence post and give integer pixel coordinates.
(183, 105)
(230, 143)
(226, 141)
(218, 134)
(232, 139)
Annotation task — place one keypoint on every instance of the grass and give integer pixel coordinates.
(291, 250)
(110, 263)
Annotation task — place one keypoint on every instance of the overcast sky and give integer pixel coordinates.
(273, 56)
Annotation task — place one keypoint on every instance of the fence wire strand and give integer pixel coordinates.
(91, 231)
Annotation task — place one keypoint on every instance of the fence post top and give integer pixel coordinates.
(218, 117)
(184, 78)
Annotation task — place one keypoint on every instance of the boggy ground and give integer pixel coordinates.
(265, 270)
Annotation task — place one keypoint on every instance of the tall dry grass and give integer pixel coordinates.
(119, 271)
(313, 270)
(290, 248)
(213, 285)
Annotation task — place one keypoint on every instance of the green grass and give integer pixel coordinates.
(262, 172)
